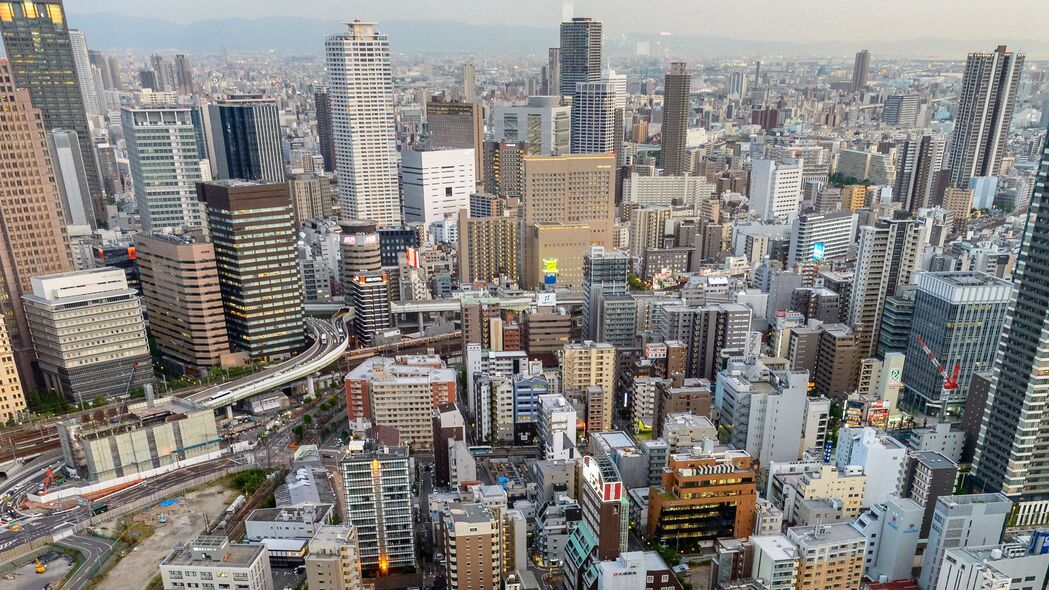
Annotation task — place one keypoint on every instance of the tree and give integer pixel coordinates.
(298, 432)
(100, 401)
(307, 419)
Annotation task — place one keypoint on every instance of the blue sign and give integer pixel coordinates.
(819, 250)
(550, 279)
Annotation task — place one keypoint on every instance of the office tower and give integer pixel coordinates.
(213, 557)
(325, 137)
(40, 58)
(183, 75)
(604, 274)
(860, 70)
(775, 189)
(676, 109)
(543, 124)
(818, 237)
(838, 359)
(334, 559)
(921, 161)
(553, 72)
(891, 530)
(588, 364)
(250, 224)
(969, 520)
(104, 63)
(377, 486)
(473, 542)
(164, 157)
(545, 332)
(889, 253)
(163, 72)
(737, 84)
(71, 177)
(78, 46)
(457, 126)
(959, 316)
(369, 293)
(436, 185)
(617, 319)
(571, 190)
(69, 314)
(604, 504)
(901, 110)
(360, 249)
(999, 565)
(503, 173)
(553, 254)
(985, 110)
(830, 557)
(597, 116)
(246, 134)
(1012, 441)
(12, 398)
(41, 244)
(679, 519)
(311, 197)
(180, 285)
(488, 248)
(360, 91)
(580, 53)
(401, 393)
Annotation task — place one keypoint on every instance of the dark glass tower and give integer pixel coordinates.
(246, 133)
(580, 53)
(324, 134)
(36, 38)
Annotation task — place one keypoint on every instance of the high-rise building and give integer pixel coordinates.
(473, 542)
(311, 197)
(325, 136)
(580, 53)
(970, 520)
(12, 398)
(553, 254)
(604, 274)
(250, 224)
(927, 476)
(246, 135)
(737, 84)
(889, 253)
(89, 334)
(488, 247)
(369, 293)
(436, 185)
(676, 109)
(921, 161)
(164, 156)
(882, 458)
(556, 427)
(78, 45)
(544, 124)
(604, 503)
(818, 237)
(180, 285)
(830, 557)
(183, 75)
(1013, 436)
(108, 68)
(589, 364)
(960, 202)
(40, 244)
(334, 560)
(71, 177)
(578, 189)
(860, 69)
(552, 82)
(775, 189)
(360, 249)
(360, 91)
(457, 126)
(901, 110)
(469, 82)
(40, 58)
(164, 73)
(377, 486)
(985, 110)
(959, 316)
(597, 116)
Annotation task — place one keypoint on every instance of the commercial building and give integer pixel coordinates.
(489, 247)
(288, 522)
(775, 561)
(684, 431)
(436, 185)
(643, 570)
(246, 137)
(892, 532)
(860, 68)
(454, 125)
(180, 285)
(990, 85)
(250, 224)
(369, 293)
(473, 544)
(138, 440)
(830, 557)
(12, 398)
(545, 331)
(1014, 564)
(543, 124)
(212, 560)
(585, 365)
(604, 275)
(71, 177)
(901, 110)
(679, 515)
(40, 59)
(838, 356)
(325, 137)
(824, 495)
(677, 106)
(164, 154)
(598, 110)
(580, 55)
(311, 197)
(959, 317)
(377, 486)
(604, 504)
(775, 189)
(818, 237)
(881, 457)
(360, 91)
(334, 561)
(972, 520)
(88, 333)
(556, 427)
(927, 476)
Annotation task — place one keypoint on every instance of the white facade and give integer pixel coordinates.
(663, 191)
(994, 567)
(892, 530)
(557, 427)
(984, 190)
(82, 63)
(436, 184)
(971, 520)
(543, 123)
(881, 457)
(207, 558)
(360, 89)
(595, 108)
(775, 561)
(824, 236)
(775, 189)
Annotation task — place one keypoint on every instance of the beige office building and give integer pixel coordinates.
(830, 557)
(473, 546)
(557, 250)
(334, 561)
(180, 284)
(12, 399)
(488, 247)
(589, 364)
(311, 197)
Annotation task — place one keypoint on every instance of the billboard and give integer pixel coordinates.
(819, 250)
(550, 266)
(546, 299)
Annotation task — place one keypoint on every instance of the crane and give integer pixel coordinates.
(49, 479)
(950, 382)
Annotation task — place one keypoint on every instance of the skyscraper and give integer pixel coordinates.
(604, 274)
(164, 154)
(183, 75)
(860, 68)
(597, 115)
(71, 176)
(12, 398)
(322, 106)
(246, 135)
(676, 108)
(985, 109)
(457, 126)
(469, 83)
(1014, 435)
(78, 44)
(580, 53)
(571, 189)
(251, 227)
(553, 71)
(901, 110)
(40, 245)
(41, 60)
(920, 169)
(360, 90)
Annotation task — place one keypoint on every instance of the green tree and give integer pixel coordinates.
(100, 401)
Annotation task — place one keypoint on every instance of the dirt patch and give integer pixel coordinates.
(185, 520)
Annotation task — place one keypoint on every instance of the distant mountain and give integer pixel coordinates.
(110, 32)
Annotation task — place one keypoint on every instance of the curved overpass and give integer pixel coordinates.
(330, 341)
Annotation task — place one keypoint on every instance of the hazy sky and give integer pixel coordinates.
(774, 20)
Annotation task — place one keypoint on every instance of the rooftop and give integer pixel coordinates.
(777, 547)
(214, 551)
(934, 460)
(808, 537)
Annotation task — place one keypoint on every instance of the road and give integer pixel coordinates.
(94, 551)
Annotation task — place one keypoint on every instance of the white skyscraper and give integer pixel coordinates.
(360, 91)
(78, 43)
(775, 189)
(437, 184)
(597, 115)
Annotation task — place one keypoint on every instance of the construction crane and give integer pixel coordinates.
(950, 382)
